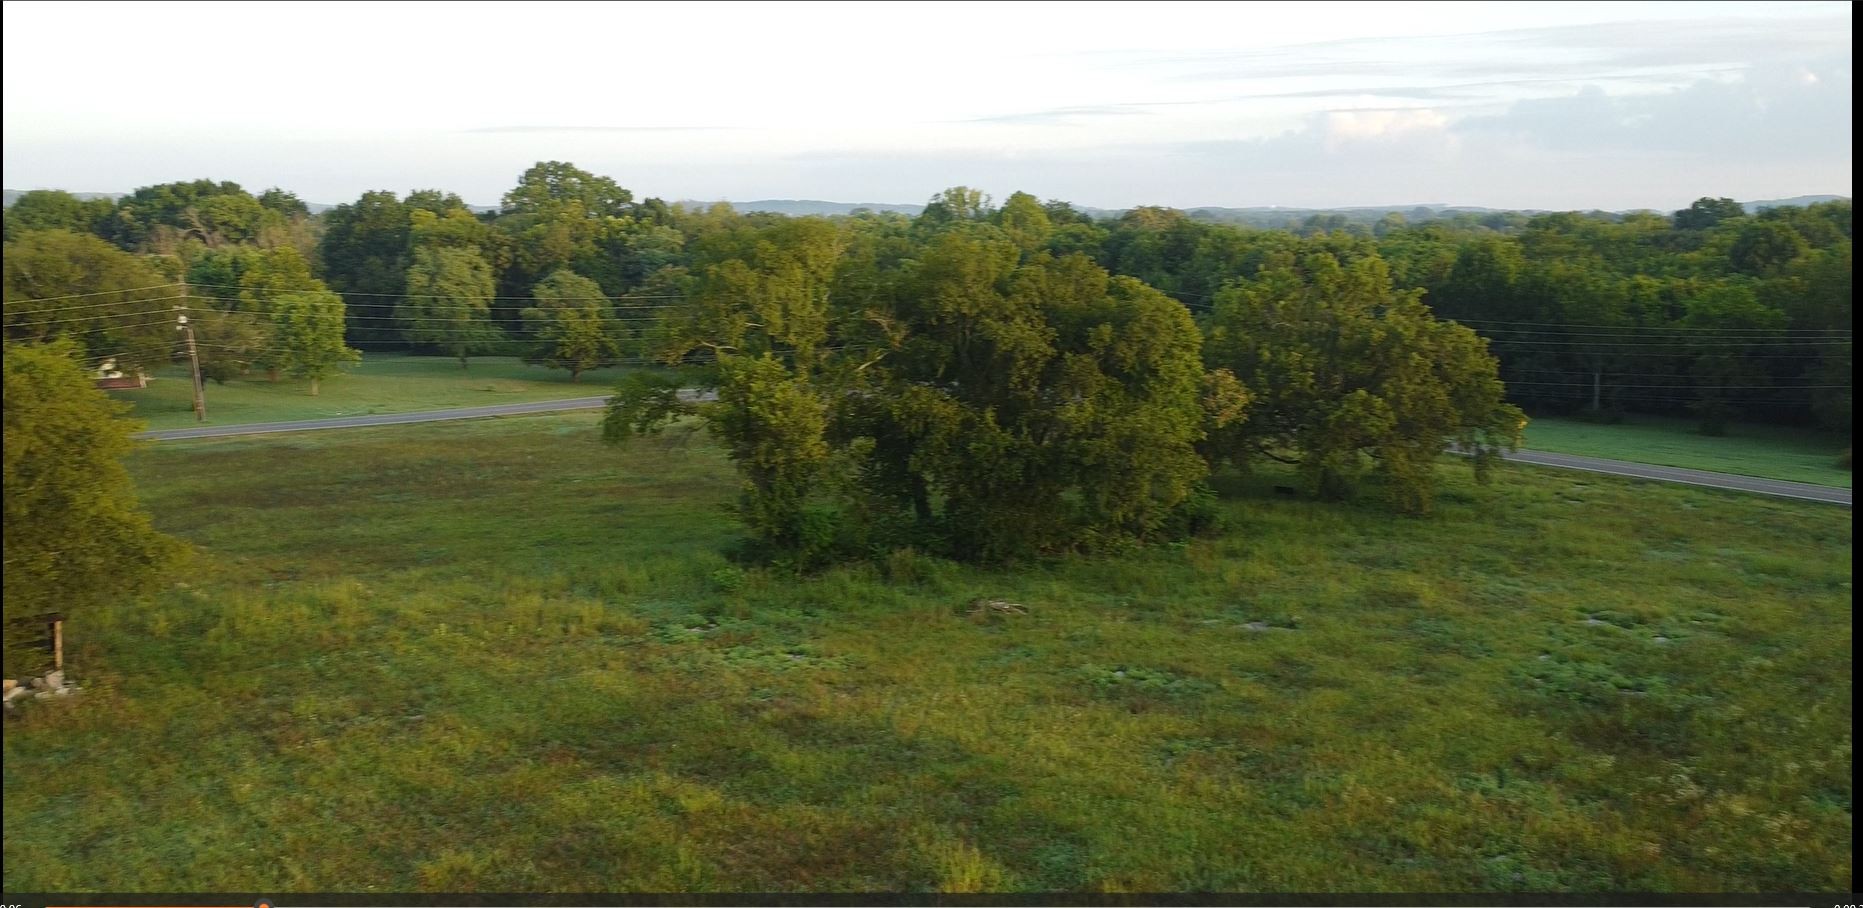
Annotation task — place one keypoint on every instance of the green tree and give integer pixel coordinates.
(283, 202)
(159, 218)
(256, 283)
(1765, 247)
(954, 205)
(954, 398)
(75, 537)
(1026, 222)
(448, 302)
(307, 336)
(549, 185)
(574, 327)
(51, 209)
(1706, 213)
(111, 303)
(365, 252)
(1349, 376)
(230, 344)
(1727, 371)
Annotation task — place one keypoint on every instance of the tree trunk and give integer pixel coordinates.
(921, 498)
(314, 382)
(575, 376)
(1597, 388)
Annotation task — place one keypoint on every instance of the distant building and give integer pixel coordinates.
(108, 378)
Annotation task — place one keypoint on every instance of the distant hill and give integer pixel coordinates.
(796, 208)
(12, 195)
(1797, 201)
(1259, 215)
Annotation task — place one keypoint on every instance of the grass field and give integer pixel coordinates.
(499, 656)
(399, 384)
(1773, 452)
(381, 384)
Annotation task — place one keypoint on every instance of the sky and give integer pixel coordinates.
(1568, 105)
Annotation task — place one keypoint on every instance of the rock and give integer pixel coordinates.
(1257, 626)
(15, 694)
(55, 680)
(1659, 639)
(10, 684)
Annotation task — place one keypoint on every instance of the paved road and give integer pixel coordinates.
(378, 419)
(1776, 487)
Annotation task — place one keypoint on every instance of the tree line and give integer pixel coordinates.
(1709, 311)
(988, 380)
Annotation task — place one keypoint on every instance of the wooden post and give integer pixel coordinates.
(194, 359)
(200, 398)
(58, 644)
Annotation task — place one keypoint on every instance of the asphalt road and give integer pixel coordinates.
(1775, 487)
(378, 419)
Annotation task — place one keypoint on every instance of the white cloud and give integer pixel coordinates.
(1361, 125)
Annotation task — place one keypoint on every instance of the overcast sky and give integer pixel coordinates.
(1555, 105)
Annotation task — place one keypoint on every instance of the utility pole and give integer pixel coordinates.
(194, 359)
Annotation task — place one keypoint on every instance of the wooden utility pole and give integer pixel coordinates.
(194, 360)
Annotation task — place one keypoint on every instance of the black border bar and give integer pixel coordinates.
(850, 899)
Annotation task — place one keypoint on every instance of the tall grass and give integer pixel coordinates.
(498, 656)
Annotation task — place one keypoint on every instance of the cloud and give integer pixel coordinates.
(1073, 115)
(1770, 113)
(552, 129)
(1360, 125)
(1557, 53)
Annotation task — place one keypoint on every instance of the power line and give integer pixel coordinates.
(1483, 321)
(1730, 334)
(1711, 342)
(99, 316)
(30, 323)
(1617, 353)
(582, 299)
(20, 304)
(74, 296)
(1676, 387)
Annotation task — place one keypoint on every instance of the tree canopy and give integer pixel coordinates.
(75, 536)
(1350, 376)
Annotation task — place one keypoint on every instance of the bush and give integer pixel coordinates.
(75, 535)
(729, 578)
(1198, 515)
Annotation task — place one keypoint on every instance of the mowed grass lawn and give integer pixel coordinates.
(1774, 452)
(380, 384)
(499, 656)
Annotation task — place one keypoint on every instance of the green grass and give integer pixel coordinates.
(499, 656)
(1773, 452)
(381, 384)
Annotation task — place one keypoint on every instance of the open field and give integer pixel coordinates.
(381, 384)
(1775, 452)
(499, 656)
